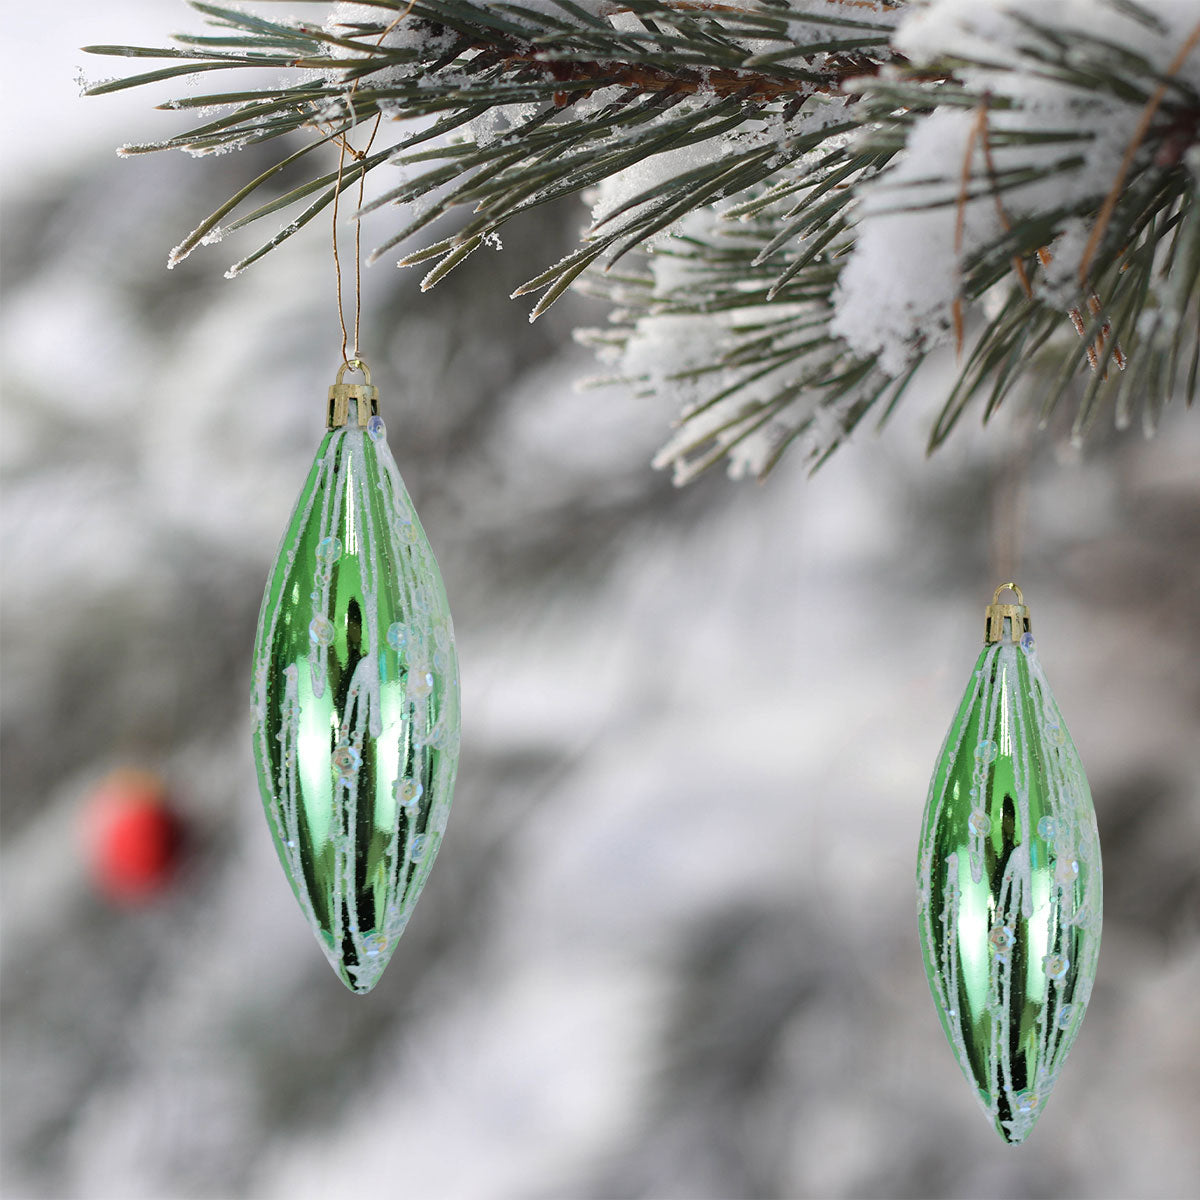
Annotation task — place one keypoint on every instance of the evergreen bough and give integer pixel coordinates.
(793, 201)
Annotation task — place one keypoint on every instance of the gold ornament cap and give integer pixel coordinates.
(365, 396)
(1017, 616)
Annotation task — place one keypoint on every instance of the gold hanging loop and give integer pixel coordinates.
(996, 614)
(365, 396)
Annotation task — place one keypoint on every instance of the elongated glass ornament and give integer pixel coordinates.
(355, 695)
(1009, 880)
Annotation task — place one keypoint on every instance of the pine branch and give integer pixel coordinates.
(793, 201)
(469, 60)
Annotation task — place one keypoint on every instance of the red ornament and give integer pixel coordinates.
(134, 837)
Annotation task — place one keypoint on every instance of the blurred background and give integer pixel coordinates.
(669, 948)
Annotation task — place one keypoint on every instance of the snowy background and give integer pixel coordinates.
(669, 948)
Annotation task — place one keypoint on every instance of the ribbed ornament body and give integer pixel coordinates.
(1010, 887)
(355, 702)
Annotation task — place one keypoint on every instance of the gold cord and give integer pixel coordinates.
(358, 156)
(1010, 481)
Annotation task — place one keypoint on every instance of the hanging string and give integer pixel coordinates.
(345, 149)
(1010, 484)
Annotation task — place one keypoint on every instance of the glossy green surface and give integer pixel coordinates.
(1010, 888)
(355, 703)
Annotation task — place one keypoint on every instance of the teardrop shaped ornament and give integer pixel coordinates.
(1009, 880)
(355, 697)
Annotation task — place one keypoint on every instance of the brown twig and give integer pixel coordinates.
(981, 132)
(707, 6)
(1017, 265)
(1139, 134)
(960, 219)
(721, 83)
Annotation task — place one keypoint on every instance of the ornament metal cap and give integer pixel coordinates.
(365, 395)
(1017, 616)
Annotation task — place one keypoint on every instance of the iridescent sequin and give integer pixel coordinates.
(346, 761)
(420, 684)
(986, 751)
(374, 946)
(329, 549)
(1066, 871)
(409, 792)
(1055, 965)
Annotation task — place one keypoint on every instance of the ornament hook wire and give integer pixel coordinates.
(359, 156)
(1010, 586)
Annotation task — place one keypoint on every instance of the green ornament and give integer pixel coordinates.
(1009, 880)
(355, 695)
